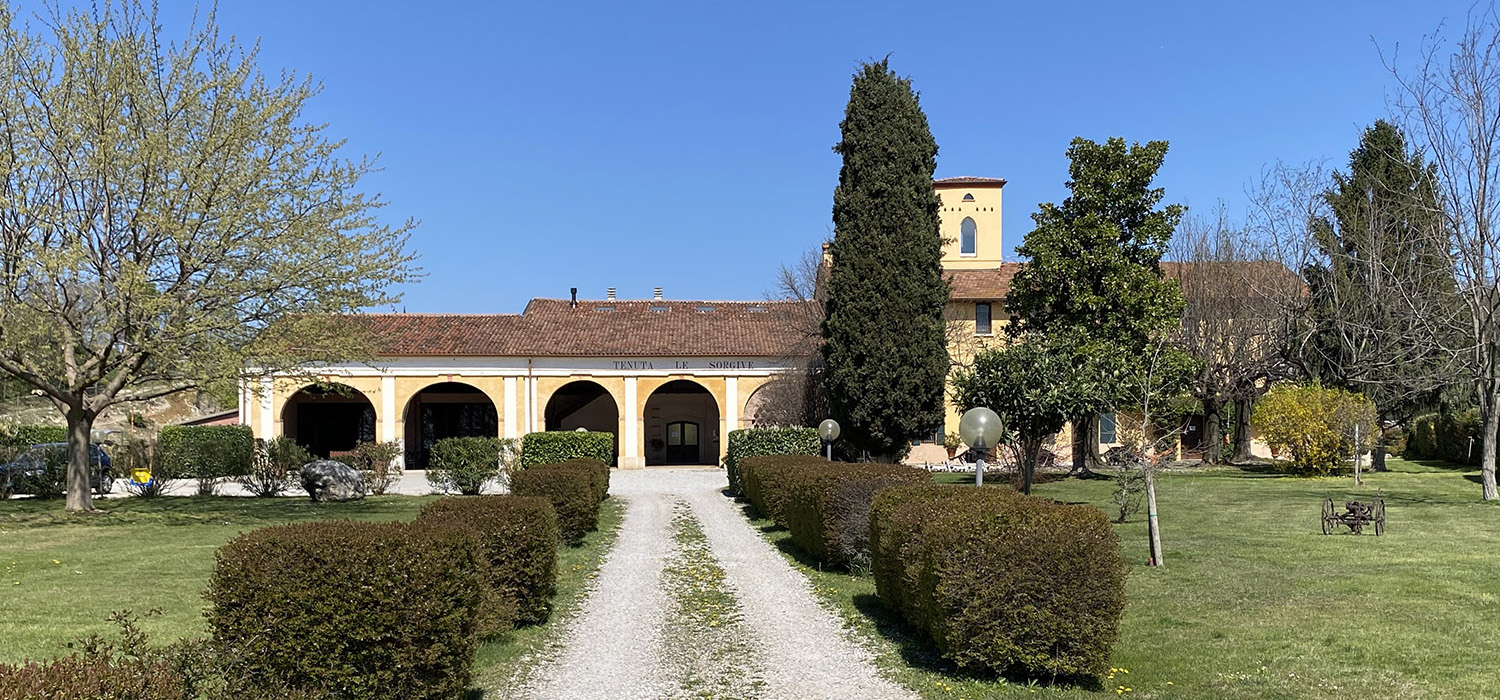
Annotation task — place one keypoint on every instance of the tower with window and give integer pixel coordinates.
(969, 212)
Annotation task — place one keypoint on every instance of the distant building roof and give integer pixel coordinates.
(969, 181)
(981, 285)
(594, 328)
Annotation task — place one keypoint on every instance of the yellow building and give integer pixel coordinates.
(669, 378)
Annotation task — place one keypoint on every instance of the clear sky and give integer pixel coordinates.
(553, 144)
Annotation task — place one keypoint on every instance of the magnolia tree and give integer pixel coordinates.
(169, 218)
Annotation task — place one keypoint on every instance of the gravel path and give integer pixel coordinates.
(802, 650)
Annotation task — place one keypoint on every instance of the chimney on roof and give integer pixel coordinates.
(656, 293)
(609, 294)
(574, 303)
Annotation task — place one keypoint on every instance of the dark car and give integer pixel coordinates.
(20, 474)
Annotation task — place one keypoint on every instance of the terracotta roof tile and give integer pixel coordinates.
(980, 285)
(553, 328)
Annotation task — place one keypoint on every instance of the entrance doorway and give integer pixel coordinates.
(328, 419)
(444, 410)
(682, 425)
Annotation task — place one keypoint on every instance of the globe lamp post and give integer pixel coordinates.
(980, 429)
(829, 431)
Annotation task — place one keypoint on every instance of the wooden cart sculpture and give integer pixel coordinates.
(1356, 516)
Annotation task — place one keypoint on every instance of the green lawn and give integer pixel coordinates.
(63, 575)
(1256, 603)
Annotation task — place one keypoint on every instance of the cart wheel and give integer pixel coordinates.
(1328, 516)
(1379, 515)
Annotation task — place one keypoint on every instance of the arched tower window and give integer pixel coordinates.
(968, 237)
(968, 197)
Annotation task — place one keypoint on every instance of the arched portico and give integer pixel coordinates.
(583, 404)
(682, 424)
(328, 418)
(444, 410)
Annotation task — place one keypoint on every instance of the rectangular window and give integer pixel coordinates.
(1108, 428)
(982, 319)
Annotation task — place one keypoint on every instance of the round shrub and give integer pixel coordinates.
(519, 535)
(554, 446)
(573, 491)
(364, 611)
(466, 464)
(827, 507)
(1314, 426)
(754, 442)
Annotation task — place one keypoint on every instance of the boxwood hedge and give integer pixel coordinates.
(827, 507)
(573, 488)
(754, 442)
(28, 435)
(764, 481)
(1002, 582)
(363, 611)
(556, 446)
(519, 535)
(206, 451)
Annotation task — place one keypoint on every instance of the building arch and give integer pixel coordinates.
(682, 419)
(443, 410)
(328, 419)
(968, 237)
(586, 404)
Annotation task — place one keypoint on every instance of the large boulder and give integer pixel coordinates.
(327, 480)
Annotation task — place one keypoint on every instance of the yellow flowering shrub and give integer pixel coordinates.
(1314, 427)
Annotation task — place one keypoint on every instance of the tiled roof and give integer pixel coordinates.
(980, 285)
(554, 328)
(970, 181)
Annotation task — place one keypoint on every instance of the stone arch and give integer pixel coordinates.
(682, 419)
(328, 419)
(583, 403)
(443, 410)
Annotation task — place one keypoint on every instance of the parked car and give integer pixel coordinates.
(18, 475)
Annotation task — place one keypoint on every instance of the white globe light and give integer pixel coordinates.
(829, 429)
(980, 428)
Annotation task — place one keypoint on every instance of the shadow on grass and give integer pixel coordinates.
(196, 510)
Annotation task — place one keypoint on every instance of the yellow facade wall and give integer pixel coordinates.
(989, 250)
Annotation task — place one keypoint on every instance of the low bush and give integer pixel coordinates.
(1453, 436)
(759, 442)
(360, 610)
(466, 465)
(1314, 426)
(46, 472)
(598, 474)
(275, 467)
(556, 446)
(1002, 582)
(377, 463)
(573, 490)
(763, 481)
(520, 536)
(92, 676)
(28, 435)
(208, 453)
(827, 507)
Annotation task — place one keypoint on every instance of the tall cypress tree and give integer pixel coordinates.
(884, 335)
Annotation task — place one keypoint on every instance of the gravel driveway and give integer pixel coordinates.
(799, 649)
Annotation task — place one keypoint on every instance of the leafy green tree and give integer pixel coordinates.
(1093, 263)
(1382, 295)
(1035, 384)
(885, 346)
(169, 218)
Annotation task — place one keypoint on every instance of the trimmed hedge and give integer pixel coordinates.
(28, 435)
(757, 442)
(572, 488)
(206, 451)
(92, 677)
(520, 538)
(763, 481)
(1445, 436)
(556, 446)
(1002, 582)
(827, 507)
(361, 610)
(466, 464)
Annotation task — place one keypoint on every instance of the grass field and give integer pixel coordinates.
(63, 575)
(1254, 602)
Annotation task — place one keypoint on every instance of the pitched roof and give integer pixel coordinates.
(555, 328)
(970, 181)
(980, 285)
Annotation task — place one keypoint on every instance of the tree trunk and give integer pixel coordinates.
(1377, 455)
(1033, 450)
(80, 494)
(1085, 443)
(1243, 450)
(1487, 450)
(1152, 526)
(1213, 439)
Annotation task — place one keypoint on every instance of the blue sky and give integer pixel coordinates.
(546, 145)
